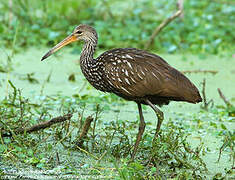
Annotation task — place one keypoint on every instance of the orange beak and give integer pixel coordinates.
(67, 40)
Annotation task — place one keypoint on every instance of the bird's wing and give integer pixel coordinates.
(137, 73)
(132, 73)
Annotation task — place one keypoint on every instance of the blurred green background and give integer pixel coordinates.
(207, 26)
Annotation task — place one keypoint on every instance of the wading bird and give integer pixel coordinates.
(133, 74)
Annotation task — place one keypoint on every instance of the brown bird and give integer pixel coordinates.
(133, 74)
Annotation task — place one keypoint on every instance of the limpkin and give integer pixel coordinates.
(133, 74)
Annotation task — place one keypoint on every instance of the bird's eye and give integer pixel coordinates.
(79, 32)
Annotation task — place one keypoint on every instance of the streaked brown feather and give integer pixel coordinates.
(160, 82)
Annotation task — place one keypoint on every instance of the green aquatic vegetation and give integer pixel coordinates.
(206, 27)
(189, 135)
(6, 64)
(170, 155)
(229, 144)
(29, 77)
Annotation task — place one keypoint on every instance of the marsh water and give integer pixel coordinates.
(61, 66)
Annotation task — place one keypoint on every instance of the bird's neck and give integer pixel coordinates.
(88, 50)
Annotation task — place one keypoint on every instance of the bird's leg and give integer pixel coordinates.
(159, 114)
(141, 131)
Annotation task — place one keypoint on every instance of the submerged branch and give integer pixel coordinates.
(204, 98)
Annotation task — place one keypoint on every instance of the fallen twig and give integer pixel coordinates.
(180, 6)
(40, 126)
(161, 26)
(84, 132)
(224, 98)
(200, 71)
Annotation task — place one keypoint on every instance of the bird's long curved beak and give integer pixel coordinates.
(67, 40)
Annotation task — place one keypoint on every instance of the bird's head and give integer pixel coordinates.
(82, 32)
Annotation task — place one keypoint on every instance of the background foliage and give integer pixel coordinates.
(207, 26)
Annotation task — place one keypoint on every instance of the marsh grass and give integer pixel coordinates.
(51, 150)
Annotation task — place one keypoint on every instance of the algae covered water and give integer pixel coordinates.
(61, 74)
